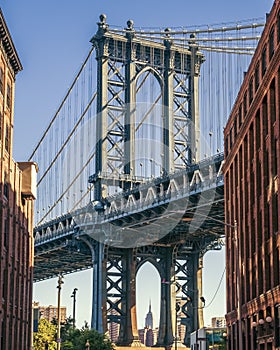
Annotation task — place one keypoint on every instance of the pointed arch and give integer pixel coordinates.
(153, 71)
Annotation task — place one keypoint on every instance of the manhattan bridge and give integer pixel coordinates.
(130, 168)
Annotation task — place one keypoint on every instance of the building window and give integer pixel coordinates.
(6, 187)
(263, 61)
(271, 43)
(257, 76)
(9, 96)
(230, 138)
(239, 116)
(6, 232)
(251, 91)
(235, 127)
(7, 138)
(245, 104)
(274, 158)
(264, 118)
(272, 103)
(1, 81)
(276, 268)
(226, 146)
(258, 130)
(3, 334)
(278, 27)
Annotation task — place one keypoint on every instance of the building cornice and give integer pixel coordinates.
(8, 45)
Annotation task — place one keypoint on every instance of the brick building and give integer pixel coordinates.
(17, 192)
(252, 210)
(50, 312)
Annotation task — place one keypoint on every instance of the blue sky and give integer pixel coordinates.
(52, 40)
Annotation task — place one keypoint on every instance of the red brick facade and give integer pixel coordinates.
(16, 212)
(252, 175)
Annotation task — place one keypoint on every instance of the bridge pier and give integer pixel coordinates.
(99, 295)
(165, 336)
(128, 328)
(114, 284)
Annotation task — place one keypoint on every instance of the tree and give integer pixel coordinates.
(72, 338)
(46, 334)
(77, 338)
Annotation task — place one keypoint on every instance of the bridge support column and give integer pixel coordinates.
(194, 86)
(101, 43)
(128, 330)
(98, 318)
(167, 305)
(168, 126)
(189, 271)
(200, 296)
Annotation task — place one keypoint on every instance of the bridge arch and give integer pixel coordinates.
(148, 122)
(155, 73)
(151, 261)
(148, 291)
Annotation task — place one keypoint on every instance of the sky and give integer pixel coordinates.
(52, 40)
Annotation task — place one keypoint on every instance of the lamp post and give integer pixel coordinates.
(210, 135)
(74, 306)
(58, 340)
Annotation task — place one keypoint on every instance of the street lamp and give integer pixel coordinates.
(74, 306)
(58, 340)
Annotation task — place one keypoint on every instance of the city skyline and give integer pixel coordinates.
(47, 105)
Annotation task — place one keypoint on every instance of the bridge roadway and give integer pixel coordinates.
(186, 208)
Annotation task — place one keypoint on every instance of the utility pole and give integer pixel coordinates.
(58, 340)
(74, 306)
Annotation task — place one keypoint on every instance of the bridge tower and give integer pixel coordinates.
(125, 63)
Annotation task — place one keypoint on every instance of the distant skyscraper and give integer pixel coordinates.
(149, 318)
(148, 335)
(218, 322)
(48, 312)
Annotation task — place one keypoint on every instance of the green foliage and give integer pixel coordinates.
(72, 339)
(77, 339)
(46, 333)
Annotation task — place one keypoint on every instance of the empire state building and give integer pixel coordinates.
(149, 318)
